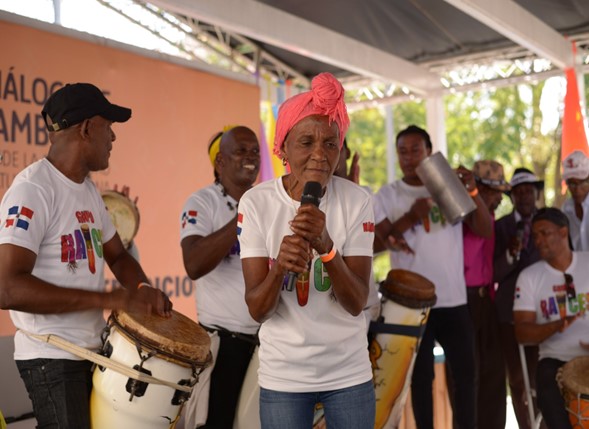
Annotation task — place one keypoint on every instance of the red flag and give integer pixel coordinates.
(573, 128)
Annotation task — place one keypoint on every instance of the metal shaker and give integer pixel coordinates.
(445, 187)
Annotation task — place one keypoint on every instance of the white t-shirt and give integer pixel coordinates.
(220, 294)
(312, 344)
(578, 228)
(437, 244)
(64, 223)
(541, 288)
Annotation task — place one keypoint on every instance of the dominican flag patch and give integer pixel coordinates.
(189, 217)
(239, 222)
(20, 217)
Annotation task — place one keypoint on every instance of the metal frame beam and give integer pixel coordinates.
(516, 23)
(273, 26)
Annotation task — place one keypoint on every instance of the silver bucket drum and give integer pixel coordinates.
(445, 187)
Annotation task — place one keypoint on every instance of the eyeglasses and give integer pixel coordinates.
(574, 185)
(570, 286)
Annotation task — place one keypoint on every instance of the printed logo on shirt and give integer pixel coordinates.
(318, 276)
(19, 217)
(435, 217)
(368, 226)
(561, 305)
(189, 217)
(83, 244)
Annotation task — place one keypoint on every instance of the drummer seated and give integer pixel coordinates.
(550, 304)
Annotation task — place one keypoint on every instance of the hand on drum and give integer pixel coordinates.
(584, 344)
(144, 300)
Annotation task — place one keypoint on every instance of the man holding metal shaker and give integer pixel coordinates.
(405, 210)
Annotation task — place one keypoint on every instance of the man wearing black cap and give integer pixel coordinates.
(550, 309)
(514, 251)
(55, 238)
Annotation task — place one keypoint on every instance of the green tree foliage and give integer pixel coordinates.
(504, 124)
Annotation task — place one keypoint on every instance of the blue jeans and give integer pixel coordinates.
(60, 391)
(350, 408)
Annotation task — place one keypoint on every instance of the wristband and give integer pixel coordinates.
(474, 192)
(328, 256)
(143, 284)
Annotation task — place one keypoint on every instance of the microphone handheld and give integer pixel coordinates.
(311, 195)
(519, 235)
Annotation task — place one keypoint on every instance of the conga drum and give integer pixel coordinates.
(574, 385)
(407, 299)
(174, 349)
(123, 214)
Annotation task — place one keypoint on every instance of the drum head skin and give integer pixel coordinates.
(124, 215)
(177, 336)
(575, 375)
(408, 289)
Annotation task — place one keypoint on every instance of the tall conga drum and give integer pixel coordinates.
(174, 349)
(407, 299)
(574, 384)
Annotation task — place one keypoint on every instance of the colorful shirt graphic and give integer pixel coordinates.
(543, 290)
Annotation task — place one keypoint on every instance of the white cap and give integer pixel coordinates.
(575, 166)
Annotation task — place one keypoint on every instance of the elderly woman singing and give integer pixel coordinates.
(306, 248)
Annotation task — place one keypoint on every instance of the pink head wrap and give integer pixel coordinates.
(326, 97)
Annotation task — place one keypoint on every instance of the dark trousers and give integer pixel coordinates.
(515, 375)
(550, 400)
(452, 328)
(227, 378)
(59, 390)
(490, 369)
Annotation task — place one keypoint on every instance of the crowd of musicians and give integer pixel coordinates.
(286, 265)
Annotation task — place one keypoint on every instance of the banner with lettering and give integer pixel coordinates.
(160, 153)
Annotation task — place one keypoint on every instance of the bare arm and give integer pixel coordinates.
(527, 331)
(262, 287)
(479, 221)
(390, 235)
(20, 290)
(129, 273)
(202, 254)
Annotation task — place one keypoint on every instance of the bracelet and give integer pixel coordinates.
(325, 258)
(143, 284)
(474, 192)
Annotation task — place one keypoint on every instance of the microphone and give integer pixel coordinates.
(519, 235)
(311, 195)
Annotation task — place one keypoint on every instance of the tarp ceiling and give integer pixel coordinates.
(420, 31)
(404, 41)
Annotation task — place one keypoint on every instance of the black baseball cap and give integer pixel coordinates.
(76, 102)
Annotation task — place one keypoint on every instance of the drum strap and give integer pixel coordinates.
(104, 361)
(390, 328)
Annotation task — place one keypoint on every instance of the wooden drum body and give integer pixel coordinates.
(574, 384)
(173, 349)
(407, 298)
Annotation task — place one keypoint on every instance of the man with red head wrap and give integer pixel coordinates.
(313, 345)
